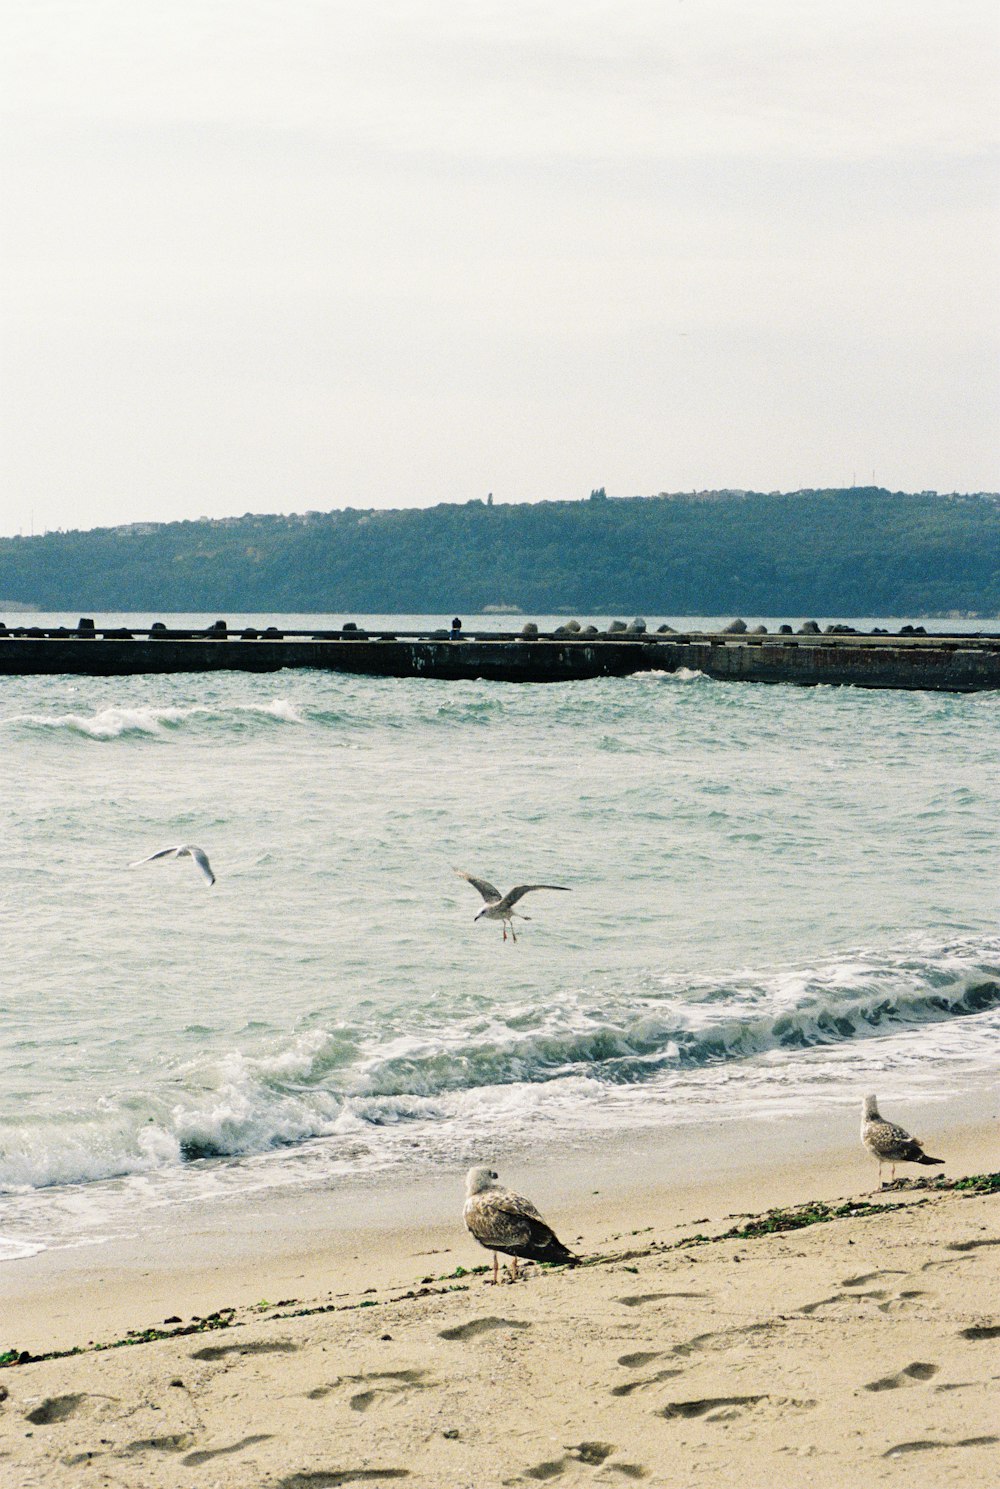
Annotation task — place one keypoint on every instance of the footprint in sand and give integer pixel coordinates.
(481, 1326)
(640, 1358)
(973, 1245)
(333, 1478)
(593, 1455)
(709, 1406)
(875, 1294)
(639, 1298)
(921, 1445)
(172, 1442)
(205, 1454)
(723, 1336)
(871, 1276)
(893, 1305)
(726, 1408)
(54, 1409)
(251, 1347)
(981, 1331)
(908, 1376)
(646, 1381)
(388, 1383)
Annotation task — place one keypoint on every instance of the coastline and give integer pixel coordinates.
(323, 1243)
(866, 1342)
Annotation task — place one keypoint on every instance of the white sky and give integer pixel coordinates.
(272, 255)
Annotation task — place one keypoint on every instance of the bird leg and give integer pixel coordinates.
(496, 1269)
(513, 936)
(505, 930)
(513, 1269)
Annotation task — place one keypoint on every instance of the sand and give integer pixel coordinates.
(863, 1347)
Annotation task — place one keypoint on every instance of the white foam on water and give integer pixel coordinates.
(12, 1250)
(117, 721)
(679, 674)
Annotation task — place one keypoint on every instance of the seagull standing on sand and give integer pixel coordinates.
(186, 850)
(501, 906)
(889, 1143)
(503, 1221)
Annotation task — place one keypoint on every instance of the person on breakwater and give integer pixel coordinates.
(456, 629)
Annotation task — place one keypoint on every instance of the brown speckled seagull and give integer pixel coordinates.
(501, 906)
(503, 1221)
(889, 1143)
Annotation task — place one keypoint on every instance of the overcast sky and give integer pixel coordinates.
(272, 255)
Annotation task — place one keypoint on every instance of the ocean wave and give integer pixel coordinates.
(679, 674)
(635, 1047)
(346, 1080)
(118, 721)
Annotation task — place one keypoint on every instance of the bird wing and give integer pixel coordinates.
(201, 859)
(890, 1142)
(493, 1225)
(163, 853)
(502, 1221)
(515, 1204)
(520, 890)
(486, 889)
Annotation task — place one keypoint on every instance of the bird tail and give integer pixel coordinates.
(924, 1158)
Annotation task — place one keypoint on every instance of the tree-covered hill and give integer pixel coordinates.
(850, 552)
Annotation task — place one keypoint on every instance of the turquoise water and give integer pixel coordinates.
(780, 897)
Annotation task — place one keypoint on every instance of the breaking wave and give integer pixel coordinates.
(564, 1060)
(116, 722)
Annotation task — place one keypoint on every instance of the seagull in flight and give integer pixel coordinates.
(185, 850)
(501, 906)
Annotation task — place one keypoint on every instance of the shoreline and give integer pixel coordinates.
(390, 1232)
(810, 1350)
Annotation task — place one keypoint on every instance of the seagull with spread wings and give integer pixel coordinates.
(185, 850)
(501, 906)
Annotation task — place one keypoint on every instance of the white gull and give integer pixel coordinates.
(185, 850)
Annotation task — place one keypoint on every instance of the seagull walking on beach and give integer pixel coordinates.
(501, 906)
(889, 1143)
(503, 1221)
(185, 850)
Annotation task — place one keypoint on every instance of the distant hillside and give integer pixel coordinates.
(852, 552)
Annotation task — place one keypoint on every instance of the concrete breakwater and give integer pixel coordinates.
(947, 663)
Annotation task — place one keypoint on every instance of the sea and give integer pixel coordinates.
(780, 898)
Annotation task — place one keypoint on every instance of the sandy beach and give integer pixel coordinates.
(865, 1343)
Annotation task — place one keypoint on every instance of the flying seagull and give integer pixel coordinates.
(503, 1221)
(501, 906)
(186, 850)
(889, 1143)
